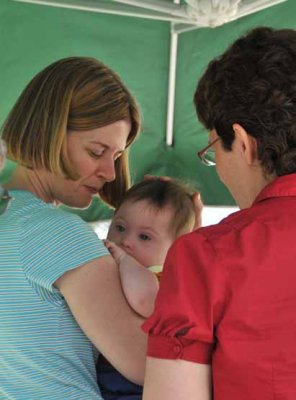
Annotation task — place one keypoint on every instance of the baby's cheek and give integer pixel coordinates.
(145, 257)
(111, 234)
(114, 237)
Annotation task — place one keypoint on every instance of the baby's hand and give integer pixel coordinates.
(117, 253)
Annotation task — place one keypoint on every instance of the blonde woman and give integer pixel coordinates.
(60, 292)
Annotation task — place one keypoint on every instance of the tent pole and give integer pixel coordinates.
(172, 86)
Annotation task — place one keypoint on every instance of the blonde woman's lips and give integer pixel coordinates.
(91, 189)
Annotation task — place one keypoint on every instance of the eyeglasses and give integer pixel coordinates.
(5, 200)
(207, 155)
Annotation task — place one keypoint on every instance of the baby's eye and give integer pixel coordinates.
(119, 228)
(144, 237)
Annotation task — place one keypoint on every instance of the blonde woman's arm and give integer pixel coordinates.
(94, 295)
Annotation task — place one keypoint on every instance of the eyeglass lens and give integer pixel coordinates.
(209, 157)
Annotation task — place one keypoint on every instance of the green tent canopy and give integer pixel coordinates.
(34, 35)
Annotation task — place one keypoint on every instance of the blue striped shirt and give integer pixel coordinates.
(43, 352)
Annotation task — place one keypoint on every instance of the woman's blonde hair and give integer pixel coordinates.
(76, 93)
(2, 153)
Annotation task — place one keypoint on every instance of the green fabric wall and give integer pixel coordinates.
(32, 36)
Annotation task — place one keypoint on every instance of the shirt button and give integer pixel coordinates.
(177, 349)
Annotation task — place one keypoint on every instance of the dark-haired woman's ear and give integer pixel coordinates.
(247, 143)
(198, 207)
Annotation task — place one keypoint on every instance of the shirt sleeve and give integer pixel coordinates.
(53, 242)
(190, 302)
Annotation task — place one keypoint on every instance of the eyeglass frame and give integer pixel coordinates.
(202, 153)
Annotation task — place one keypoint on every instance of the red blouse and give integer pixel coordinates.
(228, 297)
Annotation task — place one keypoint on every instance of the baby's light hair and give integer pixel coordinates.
(166, 193)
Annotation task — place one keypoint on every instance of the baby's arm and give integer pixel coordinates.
(139, 285)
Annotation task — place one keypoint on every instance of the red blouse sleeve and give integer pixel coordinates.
(190, 302)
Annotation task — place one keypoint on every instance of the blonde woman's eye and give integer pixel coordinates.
(94, 154)
(144, 237)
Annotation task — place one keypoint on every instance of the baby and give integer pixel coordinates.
(152, 214)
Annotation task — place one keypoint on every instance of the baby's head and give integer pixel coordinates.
(152, 214)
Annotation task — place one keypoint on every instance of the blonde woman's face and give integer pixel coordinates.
(92, 154)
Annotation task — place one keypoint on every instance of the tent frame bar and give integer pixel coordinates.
(128, 11)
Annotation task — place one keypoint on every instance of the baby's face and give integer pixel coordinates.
(143, 231)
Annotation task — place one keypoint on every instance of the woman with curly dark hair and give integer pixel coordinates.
(224, 324)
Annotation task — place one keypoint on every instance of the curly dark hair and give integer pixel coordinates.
(253, 83)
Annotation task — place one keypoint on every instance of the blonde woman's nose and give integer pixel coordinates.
(106, 169)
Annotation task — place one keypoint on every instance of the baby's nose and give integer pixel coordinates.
(127, 243)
